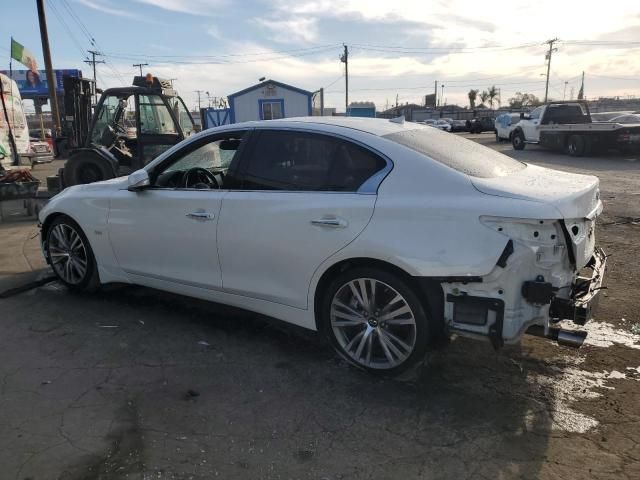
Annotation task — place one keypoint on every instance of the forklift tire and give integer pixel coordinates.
(576, 146)
(82, 169)
(517, 140)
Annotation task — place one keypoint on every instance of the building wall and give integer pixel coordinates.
(246, 106)
(367, 112)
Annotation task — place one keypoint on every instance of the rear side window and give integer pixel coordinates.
(301, 161)
(458, 153)
(563, 113)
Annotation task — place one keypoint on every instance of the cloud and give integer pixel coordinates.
(214, 31)
(192, 7)
(119, 12)
(290, 30)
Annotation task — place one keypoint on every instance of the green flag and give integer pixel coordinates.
(23, 55)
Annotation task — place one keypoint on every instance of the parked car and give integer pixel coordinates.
(40, 152)
(443, 125)
(382, 235)
(505, 124)
(606, 116)
(626, 119)
(458, 125)
(481, 124)
(429, 122)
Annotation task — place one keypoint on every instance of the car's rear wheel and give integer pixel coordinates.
(374, 320)
(517, 140)
(576, 145)
(70, 254)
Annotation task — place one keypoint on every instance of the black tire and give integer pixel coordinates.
(517, 140)
(576, 146)
(381, 327)
(88, 280)
(82, 169)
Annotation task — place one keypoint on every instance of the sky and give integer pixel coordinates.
(397, 48)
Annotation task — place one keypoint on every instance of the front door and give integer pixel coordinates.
(299, 203)
(168, 232)
(531, 127)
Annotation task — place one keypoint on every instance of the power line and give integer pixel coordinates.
(244, 54)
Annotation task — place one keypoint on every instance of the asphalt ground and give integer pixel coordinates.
(135, 383)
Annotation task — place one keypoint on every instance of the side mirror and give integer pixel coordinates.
(138, 180)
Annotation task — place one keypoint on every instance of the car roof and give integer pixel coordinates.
(374, 126)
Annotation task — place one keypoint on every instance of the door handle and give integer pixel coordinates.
(330, 222)
(201, 215)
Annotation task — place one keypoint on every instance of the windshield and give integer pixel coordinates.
(458, 153)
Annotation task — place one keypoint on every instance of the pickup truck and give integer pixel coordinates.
(567, 127)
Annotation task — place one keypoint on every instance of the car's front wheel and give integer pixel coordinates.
(375, 320)
(517, 140)
(70, 255)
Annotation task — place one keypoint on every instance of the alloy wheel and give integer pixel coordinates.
(68, 254)
(373, 323)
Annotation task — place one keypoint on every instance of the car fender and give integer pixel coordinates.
(88, 206)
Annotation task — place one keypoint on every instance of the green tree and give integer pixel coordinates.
(492, 94)
(484, 96)
(520, 100)
(473, 94)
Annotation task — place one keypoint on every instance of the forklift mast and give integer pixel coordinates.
(77, 112)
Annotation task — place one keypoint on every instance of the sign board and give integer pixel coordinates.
(34, 84)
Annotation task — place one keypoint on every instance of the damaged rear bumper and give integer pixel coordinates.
(585, 293)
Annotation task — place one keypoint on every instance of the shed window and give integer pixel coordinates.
(271, 110)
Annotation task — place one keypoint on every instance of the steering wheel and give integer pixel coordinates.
(204, 178)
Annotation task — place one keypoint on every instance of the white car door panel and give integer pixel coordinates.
(272, 242)
(167, 234)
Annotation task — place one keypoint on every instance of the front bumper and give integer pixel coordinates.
(585, 293)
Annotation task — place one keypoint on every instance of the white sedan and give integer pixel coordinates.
(383, 235)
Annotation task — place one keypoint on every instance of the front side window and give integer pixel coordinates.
(194, 168)
(111, 114)
(272, 110)
(300, 161)
(536, 113)
(155, 118)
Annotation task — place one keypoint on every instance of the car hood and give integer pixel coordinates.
(573, 195)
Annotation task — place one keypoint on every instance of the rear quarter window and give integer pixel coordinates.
(458, 153)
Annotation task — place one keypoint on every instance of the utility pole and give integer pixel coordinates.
(344, 58)
(548, 57)
(442, 96)
(199, 92)
(564, 94)
(51, 80)
(93, 62)
(140, 65)
(321, 101)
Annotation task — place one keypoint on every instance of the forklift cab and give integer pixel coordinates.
(136, 124)
(131, 126)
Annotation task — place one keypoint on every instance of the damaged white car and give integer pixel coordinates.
(383, 235)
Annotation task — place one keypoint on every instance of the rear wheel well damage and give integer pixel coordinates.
(428, 290)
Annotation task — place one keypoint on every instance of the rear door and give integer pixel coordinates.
(303, 197)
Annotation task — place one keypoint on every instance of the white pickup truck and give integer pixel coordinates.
(567, 127)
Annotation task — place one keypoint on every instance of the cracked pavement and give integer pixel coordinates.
(139, 384)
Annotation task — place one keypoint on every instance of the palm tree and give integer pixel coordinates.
(484, 96)
(473, 93)
(492, 94)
